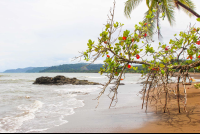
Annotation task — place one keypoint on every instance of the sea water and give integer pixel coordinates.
(26, 107)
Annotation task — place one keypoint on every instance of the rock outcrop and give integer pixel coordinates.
(61, 80)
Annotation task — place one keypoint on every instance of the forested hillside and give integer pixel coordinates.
(80, 68)
(84, 67)
(72, 68)
(36, 70)
(19, 70)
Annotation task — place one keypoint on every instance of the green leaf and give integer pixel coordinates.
(162, 66)
(135, 68)
(162, 71)
(198, 19)
(143, 65)
(126, 33)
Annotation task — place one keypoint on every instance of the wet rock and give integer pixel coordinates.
(61, 80)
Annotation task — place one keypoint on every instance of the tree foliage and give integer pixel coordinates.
(136, 48)
(165, 7)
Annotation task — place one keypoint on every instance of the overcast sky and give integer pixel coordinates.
(37, 33)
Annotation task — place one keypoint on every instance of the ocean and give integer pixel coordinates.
(26, 107)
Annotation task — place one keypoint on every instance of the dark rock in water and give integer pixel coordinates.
(61, 80)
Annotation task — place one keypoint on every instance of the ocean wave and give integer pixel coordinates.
(14, 80)
(100, 77)
(4, 75)
(36, 130)
(10, 124)
(52, 114)
(53, 103)
(74, 90)
(32, 107)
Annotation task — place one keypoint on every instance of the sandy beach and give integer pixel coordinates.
(127, 114)
(184, 122)
(128, 117)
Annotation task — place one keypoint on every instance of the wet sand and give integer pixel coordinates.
(127, 114)
(175, 122)
(128, 117)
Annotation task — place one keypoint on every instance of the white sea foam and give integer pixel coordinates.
(53, 113)
(11, 123)
(54, 102)
(37, 130)
(32, 107)
(75, 89)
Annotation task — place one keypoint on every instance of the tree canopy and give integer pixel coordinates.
(129, 48)
(164, 8)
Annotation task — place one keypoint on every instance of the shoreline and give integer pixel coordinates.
(184, 122)
(128, 117)
(127, 114)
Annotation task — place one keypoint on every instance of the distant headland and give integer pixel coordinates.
(67, 68)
